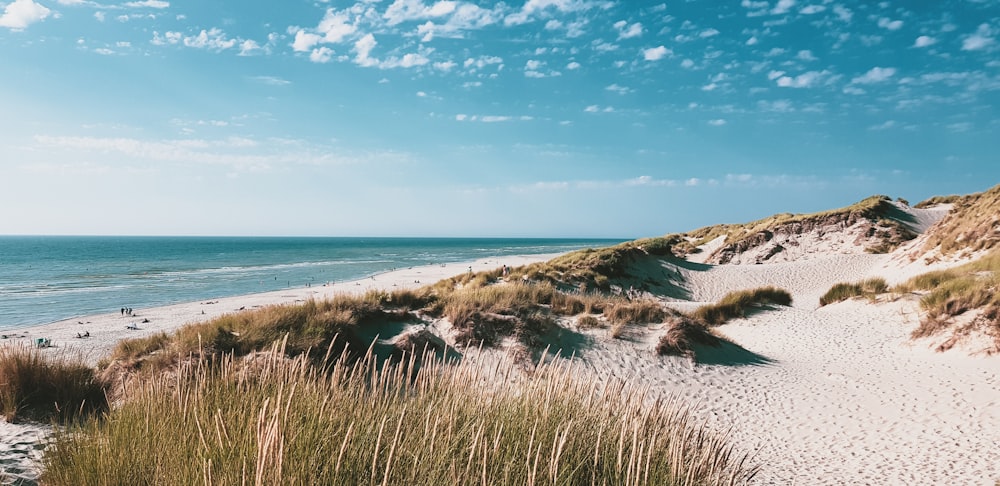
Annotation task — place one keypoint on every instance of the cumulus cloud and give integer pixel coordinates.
(981, 39)
(335, 26)
(924, 41)
(19, 14)
(875, 75)
(804, 80)
(572, 66)
(304, 41)
(534, 8)
(213, 39)
(812, 9)
(717, 122)
(656, 53)
(626, 31)
(890, 24)
(783, 6)
(363, 48)
(616, 88)
(843, 13)
(321, 55)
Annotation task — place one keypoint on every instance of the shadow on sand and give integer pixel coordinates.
(728, 353)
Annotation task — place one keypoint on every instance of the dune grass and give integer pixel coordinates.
(973, 224)
(681, 337)
(44, 386)
(869, 289)
(268, 419)
(953, 292)
(736, 304)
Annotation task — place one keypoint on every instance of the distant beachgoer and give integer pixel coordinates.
(123, 311)
(86, 334)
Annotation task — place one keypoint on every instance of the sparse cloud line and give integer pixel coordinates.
(238, 153)
(744, 180)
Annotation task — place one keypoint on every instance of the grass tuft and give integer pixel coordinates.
(681, 337)
(37, 385)
(736, 304)
(869, 288)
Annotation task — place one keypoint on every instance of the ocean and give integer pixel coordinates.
(50, 278)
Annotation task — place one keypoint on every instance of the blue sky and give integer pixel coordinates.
(454, 118)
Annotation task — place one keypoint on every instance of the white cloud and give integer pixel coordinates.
(752, 41)
(214, 39)
(572, 66)
(708, 33)
(305, 41)
(494, 118)
(875, 75)
(806, 55)
(321, 55)
(335, 26)
(717, 122)
(409, 10)
(812, 9)
(100, 16)
(592, 109)
(19, 14)
(804, 80)
(148, 4)
(783, 6)
(924, 41)
(616, 88)
(247, 47)
(626, 31)
(656, 53)
(461, 117)
(890, 24)
(533, 8)
(981, 39)
(445, 66)
(843, 13)
(687, 64)
(363, 48)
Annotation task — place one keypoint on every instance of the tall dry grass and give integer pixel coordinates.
(269, 419)
(869, 288)
(736, 304)
(46, 385)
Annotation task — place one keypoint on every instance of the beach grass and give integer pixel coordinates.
(973, 224)
(46, 385)
(869, 288)
(953, 292)
(736, 304)
(270, 419)
(682, 335)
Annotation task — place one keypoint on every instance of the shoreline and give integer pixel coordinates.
(104, 331)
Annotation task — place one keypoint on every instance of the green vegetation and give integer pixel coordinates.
(869, 288)
(973, 224)
(953, 292)
(268, 419)
(36, 385)
(736, 304)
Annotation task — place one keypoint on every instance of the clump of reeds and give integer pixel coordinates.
(41, 385)
(869, 288)
(276, 420)
(736, 304)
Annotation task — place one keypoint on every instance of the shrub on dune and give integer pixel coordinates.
(736, 304)
(681, 337)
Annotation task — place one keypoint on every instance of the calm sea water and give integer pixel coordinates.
(50, 278)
